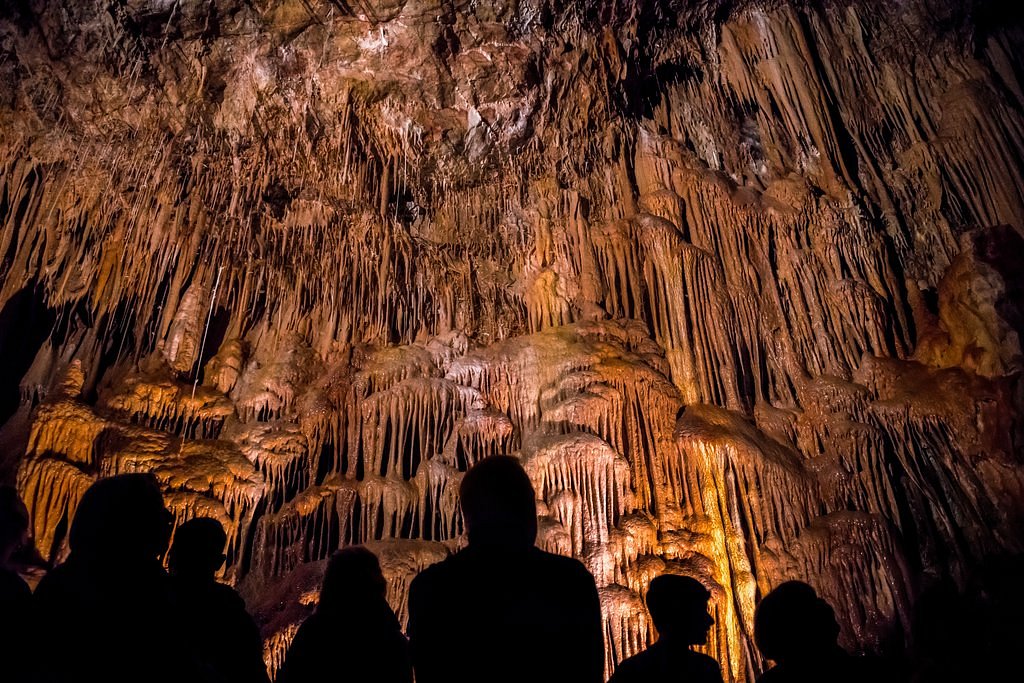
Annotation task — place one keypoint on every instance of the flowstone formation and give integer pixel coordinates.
(736, 281)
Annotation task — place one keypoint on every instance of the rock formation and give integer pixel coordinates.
(737, 281)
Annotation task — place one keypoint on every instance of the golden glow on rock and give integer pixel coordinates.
(732, 285)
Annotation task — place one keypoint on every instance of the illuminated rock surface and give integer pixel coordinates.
(739, 283)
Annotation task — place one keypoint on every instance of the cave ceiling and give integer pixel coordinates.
(738, 282)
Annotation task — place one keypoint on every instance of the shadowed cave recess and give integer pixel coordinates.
(738, 282)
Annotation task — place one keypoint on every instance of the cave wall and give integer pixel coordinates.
(737, 282)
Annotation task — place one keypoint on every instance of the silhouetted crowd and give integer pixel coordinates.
(498, 610)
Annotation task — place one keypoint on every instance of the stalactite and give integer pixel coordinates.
(51, 490)
(280, 452)
(157, 401)
(269, 385)
(627, 624)
(597, 476)
(734, 281)
(407, 423)
(400, 561)
(201, 471)
(275, 648)
(387, 504)
(306, 529)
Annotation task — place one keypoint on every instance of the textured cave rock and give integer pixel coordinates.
(737, 281)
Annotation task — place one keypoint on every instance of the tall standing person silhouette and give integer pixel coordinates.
(502, 610)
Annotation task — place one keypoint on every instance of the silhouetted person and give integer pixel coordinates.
(501, 609)
(998, 601)
(798, 631)
(679, 609)
(15, 595)
(224, 636)
(948, 636)
(107, 613)
(353, 636)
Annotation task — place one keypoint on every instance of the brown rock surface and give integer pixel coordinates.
(737, 281)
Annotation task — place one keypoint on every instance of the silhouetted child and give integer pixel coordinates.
(15, 595)
(798, 631)
(679, 609)
(108, 612)
(501, 609)
(223, 635)
(353, 636)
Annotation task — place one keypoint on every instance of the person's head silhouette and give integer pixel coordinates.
(498, 504)
(121, 519)
(198, 549)
(353, 578)
(13, 523)
(679, 609)
(792, 623)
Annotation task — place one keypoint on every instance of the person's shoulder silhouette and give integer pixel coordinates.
(223, 636)
(679, 609)
(108, 609)
(15, 595)
(502, 609)
(952, 636)
(798, 630)
(998, 610)
(353, 634)
(118, 535)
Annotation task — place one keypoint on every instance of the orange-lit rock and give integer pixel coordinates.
(736, 282)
